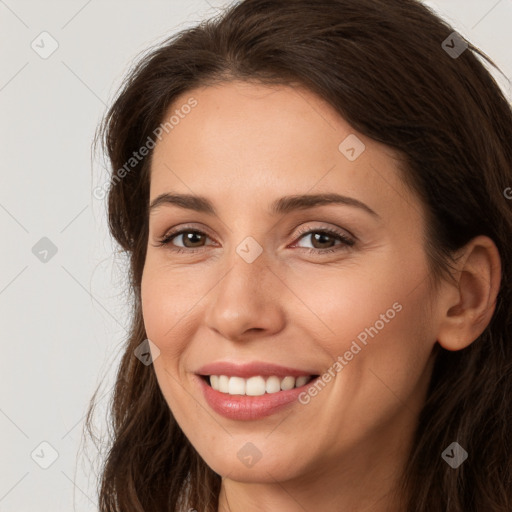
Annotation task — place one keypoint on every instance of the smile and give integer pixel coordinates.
(257, 385)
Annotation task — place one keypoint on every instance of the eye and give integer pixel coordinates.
(324, 240)
(191, 239)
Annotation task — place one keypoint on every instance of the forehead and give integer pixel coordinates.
(245, 143)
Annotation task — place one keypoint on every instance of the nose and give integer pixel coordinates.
(246, 302)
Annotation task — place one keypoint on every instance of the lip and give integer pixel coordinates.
(253, 369)
(246, 408)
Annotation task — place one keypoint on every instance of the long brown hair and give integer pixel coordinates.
(384, 67)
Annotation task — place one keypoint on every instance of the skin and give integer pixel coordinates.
(243, 146)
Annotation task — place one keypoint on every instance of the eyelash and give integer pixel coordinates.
(346, 242)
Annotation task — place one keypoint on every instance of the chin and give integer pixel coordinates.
(241, 468)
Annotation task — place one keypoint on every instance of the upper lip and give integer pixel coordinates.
(251, 369)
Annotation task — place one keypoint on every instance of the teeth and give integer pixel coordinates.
(223, 384)
(273, 385)
(301, 381)
(288, 383)
(256, 386)
(236, 386)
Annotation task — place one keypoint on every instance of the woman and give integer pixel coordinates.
(312, 195)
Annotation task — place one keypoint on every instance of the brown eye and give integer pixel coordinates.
(324, 240)
(190, 239)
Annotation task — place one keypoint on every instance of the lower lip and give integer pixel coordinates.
(245, 408)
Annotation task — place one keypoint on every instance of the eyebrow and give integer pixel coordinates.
(279, 206)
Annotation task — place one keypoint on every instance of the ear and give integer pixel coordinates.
(469, 303)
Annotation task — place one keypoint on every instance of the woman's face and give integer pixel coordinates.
(256, 278)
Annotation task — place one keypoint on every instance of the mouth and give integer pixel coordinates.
(252, 390)
(252, 397)
(257, 385)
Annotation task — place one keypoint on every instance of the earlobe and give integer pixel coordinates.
(467, 313)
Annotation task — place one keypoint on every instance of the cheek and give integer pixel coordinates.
(390, 371)
(377, 322)
(164, 306)
(384, 298)
(352, 302)
(168, 299)
(171, 311)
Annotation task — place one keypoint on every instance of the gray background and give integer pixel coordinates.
(63, 320)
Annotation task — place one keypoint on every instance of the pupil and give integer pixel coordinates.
(322, 237)
(189, 237)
